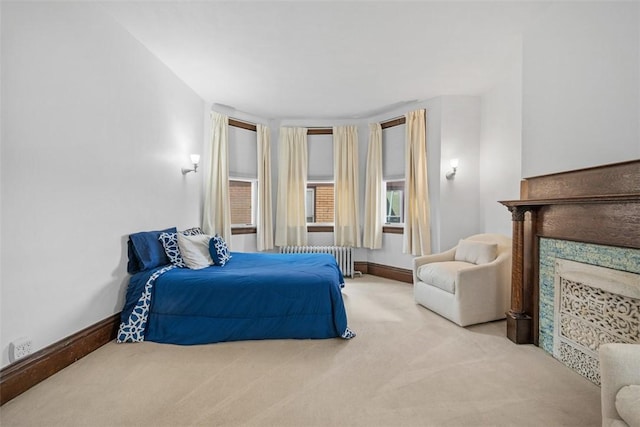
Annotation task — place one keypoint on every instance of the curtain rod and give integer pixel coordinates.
(393, 122)
(315, 131)
(242, 124)
(319, 131)
(253, 127)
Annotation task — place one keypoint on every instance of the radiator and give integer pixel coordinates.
(342, 254)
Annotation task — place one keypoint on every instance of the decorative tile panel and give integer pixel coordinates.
(593, 305)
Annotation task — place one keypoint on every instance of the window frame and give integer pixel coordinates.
(393, 227)
(307, 205)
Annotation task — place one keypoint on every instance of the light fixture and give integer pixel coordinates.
(195, 159)
(454, 168)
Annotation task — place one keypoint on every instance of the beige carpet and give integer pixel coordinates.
(406, 367)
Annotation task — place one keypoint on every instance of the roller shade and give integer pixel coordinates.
(393, 147)
(320, 149)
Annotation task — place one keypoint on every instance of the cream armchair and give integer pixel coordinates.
(620, 384)
(468, 284)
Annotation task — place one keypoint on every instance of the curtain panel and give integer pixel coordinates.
(373, 196)
(264, 224)
(291, 218)
(216, 218)
(345, 172)
(417, 234)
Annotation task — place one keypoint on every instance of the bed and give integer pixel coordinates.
(253, 296)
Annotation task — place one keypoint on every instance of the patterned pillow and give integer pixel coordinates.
(170, 244)
(219, 251)
(193, 231)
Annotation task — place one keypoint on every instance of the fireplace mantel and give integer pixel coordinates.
(598, 205)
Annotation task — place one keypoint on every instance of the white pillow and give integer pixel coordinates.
(628, 404)
(476, 252)
(195, 250)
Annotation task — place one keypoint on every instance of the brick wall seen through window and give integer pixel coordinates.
(241, 198)
(323, 203)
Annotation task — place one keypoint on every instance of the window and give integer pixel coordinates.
(319, 203)
(394, 206)
(242, 194)
(310, 203)
(243, 174)
(393, 173)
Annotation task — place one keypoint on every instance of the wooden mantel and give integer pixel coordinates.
(598, 205)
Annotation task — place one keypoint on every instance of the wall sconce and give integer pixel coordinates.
(195, 159)
(454, 168)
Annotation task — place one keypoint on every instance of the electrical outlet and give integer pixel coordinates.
(20, 348)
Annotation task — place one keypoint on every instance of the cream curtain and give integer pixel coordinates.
(373, 196)
(265, 217)
(417, 235)
(291, 218)
(345, 175)
(216, 217)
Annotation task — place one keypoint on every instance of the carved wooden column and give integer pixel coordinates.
(519, 323)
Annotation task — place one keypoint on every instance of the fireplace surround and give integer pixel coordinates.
(592, 305)
(592, 214)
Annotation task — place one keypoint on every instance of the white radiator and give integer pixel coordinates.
(342, 254)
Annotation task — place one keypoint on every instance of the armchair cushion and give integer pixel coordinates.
(442, 275)
(476, 252)
(628, 404)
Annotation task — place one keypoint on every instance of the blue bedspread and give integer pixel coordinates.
(254, 296)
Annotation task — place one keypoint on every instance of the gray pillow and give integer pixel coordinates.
(195, 250)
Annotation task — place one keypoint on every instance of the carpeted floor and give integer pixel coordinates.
(406, 367)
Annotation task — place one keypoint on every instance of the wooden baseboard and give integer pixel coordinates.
(25, 373)
(389, 272)
(361, 266)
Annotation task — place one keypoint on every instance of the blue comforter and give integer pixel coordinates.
(254, 296)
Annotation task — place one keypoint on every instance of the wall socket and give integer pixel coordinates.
(20, 348)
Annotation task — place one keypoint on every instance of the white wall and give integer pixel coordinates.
(581, 72)
(501, 147)
(459, 197)
(95, 131)
(244, 243)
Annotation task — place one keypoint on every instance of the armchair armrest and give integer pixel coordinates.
(486, 284)
(476, 277)
(489, 271)
(426, 259)
(440, 257)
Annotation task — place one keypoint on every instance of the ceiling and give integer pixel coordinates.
(325, 60)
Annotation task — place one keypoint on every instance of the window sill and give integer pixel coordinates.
(393, 229)
(244, 230)
(320, 228)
